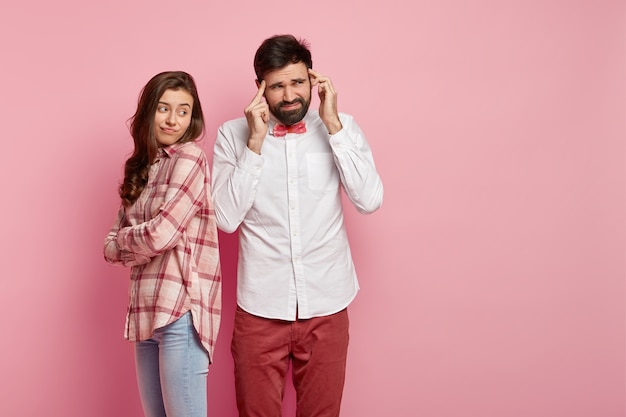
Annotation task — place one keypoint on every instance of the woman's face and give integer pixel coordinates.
(173, 116)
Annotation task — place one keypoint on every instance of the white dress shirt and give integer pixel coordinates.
(294, 256)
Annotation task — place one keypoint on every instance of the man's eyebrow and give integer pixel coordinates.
(279, 83)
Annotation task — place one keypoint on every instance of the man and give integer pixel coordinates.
(277, 176)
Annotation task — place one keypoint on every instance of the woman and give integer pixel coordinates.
(166, 232)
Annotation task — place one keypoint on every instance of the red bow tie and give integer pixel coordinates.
(282, 130)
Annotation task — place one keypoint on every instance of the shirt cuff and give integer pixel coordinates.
(120, 240)
(340, 141)
(251, 162)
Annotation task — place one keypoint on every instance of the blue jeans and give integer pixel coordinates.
(172, 369)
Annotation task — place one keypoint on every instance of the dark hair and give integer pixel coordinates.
(279, 51)
(142, 130)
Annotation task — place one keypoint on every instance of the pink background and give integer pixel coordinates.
(492, 278)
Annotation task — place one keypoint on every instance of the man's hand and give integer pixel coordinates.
(328, 102)
(257, 114)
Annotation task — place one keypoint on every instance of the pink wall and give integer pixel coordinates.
(492, 278)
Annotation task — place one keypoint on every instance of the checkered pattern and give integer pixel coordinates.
(169, 239)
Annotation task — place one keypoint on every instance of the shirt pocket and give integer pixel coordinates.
(321, 171)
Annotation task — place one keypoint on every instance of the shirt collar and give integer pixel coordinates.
(170, 150)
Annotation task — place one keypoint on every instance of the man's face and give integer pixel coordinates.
(288, 92)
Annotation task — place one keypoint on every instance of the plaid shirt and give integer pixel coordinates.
(169, 239)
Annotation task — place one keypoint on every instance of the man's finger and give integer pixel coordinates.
(314, 77)
(259, 93)
(314, 73)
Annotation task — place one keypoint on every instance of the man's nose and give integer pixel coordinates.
(289, 95)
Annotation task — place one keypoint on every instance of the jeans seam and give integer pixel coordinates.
(187, 366)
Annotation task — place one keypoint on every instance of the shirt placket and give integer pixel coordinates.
(297, 292)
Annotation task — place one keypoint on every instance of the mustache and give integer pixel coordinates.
(287, 103)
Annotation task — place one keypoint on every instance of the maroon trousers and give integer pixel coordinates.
(262, 349)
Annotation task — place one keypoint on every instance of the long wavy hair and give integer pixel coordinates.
(142, 130)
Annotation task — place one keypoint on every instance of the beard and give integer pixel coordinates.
(293, 116)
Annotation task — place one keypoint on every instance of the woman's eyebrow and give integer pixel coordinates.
(168, 104)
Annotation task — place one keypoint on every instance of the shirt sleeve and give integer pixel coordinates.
(116, 256)
(184, 197)
(357, 170)
(236, 173)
